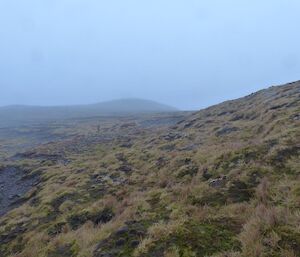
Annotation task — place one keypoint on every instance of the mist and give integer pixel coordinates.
(187, 54)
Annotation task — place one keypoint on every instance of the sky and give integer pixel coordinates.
(189, 54)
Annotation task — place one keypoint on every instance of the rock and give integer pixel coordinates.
(223, 113)
(120, 242)
(135, 243)
(189, 147)
(295, 117)
(219, 182)
(171, 136)
(126, 145)
(190, 123)
(237, 117)
(10, 235)
(125, 168)
(136, 232)
(105, 255)
(275, 107)
(226, 130)
(122, 231)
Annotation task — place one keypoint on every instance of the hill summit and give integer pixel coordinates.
(22, 113)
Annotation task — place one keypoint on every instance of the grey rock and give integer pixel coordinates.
(219, 182)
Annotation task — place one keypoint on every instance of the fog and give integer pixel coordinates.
(188, 54)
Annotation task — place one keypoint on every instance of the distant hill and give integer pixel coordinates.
(16, 114)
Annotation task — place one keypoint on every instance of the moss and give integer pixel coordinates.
(186, 252)
(239, 191)
(18, 245)
(11, 239)
(123, 242)
(297, 191)
(56, 228)
(158, 210)
(243, 156)
(78, 219)
(214, 199)
(290, 239)
(255, 174)
(187, 170)
(281, 156)
(167, 147)
(57, 201)
(201, 239)
(154, 199)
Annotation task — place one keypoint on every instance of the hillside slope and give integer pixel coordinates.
(25, 114)
(224, 181)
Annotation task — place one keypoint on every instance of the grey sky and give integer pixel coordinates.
(189, 53)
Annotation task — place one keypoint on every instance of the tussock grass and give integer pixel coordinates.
(156, 182)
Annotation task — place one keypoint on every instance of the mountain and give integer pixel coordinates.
(20, 114)
(223, 181)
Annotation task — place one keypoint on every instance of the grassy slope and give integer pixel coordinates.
(134, 191)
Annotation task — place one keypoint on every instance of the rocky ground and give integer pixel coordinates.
(14, 184)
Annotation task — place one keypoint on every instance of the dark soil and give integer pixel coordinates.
(14, 184)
